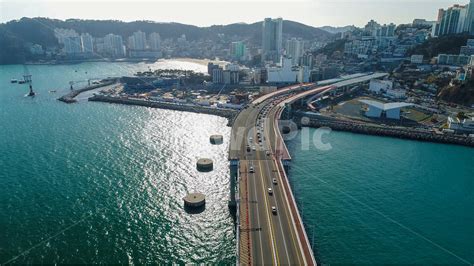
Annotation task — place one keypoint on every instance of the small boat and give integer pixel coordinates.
(14, 81)
(21, 82)
(52, 91)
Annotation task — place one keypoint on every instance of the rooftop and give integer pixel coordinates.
(385, 106)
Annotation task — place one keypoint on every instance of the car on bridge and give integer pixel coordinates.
(274, 210)
(274, 181)
(270, 191)
(251, 170)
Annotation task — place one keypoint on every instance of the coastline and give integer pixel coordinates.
(394, 132)
(200, 61)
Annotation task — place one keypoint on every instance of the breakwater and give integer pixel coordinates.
(226, 113)
(397, 132)
(69, 98)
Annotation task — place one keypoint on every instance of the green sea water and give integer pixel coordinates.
(379, 200)
(103, 183)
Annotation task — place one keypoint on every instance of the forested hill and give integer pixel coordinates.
(14, 35)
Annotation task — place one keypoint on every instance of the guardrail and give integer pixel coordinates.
(307, 251)
(237, 216)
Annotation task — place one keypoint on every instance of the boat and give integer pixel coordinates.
(14, 81)
(52, 91)
(21, 82)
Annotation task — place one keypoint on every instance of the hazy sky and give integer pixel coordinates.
(205, 13)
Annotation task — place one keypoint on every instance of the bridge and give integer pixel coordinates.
(269, 227)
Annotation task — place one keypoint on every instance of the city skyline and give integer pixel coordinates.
(314, 13)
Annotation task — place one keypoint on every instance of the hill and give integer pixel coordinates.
(14, 35)
(449, 44)
(336, 30)
(459, 93)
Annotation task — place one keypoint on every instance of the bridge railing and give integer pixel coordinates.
(300, 230)
(237, 215)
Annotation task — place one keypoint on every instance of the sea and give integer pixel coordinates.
(103, 183)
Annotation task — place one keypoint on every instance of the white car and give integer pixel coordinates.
(274, 210)
(254, 148)
(270, 191)
(274, 181)
(251, 169)
(268, 153)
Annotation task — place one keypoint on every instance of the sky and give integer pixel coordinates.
(219, 12)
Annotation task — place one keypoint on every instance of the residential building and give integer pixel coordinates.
(416, 59)
(137, 41)
(72, 45)
(218, 75)
(468, 49)
(237, 50)
(62, 34)
(307, 60)
(294, 49)
(455, 60)
(87, 43)
(113, 46)
(154, 41)
(469, 24)
(272, 31)
(452, 20)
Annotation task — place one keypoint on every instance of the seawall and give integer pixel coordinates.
(226, 113)
(69, 98)
(396, 132)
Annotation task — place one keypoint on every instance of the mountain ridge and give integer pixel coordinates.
(16, 34)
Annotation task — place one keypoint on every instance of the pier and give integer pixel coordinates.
(226, 113)
(70, 97)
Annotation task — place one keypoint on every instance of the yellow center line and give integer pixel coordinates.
(268, 217)
(288, 215)
(274, 246)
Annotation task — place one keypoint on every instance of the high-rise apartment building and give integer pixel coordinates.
(272, 31)
(113, 45)
(72, 45)
(137, 41)
(469, 24)
(294, 49)
(455, 19)
(154, 41)
(87, 43)
(237, 50)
